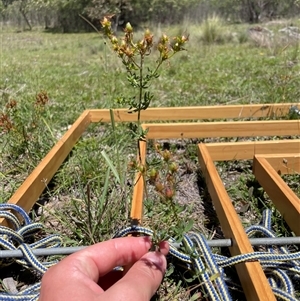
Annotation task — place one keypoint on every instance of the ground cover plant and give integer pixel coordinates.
(74, 72)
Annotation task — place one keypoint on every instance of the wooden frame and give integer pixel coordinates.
(252, 277)
(284, 163)
(223, 129)
(282, 196)
(28, 193)
(246, 150)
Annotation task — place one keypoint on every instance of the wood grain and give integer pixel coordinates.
(224, 151)
(223, 129)
(138, 191)
(281, 195)
(285, 163)
(196, 113)
(252, 277)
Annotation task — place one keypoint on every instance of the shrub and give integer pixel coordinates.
(212, 30)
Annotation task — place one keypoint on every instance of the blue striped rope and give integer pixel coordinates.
(278, 263)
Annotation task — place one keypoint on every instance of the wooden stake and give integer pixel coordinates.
(138, 191)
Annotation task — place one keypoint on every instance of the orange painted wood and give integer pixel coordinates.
(285, 163)
(223, 129)
(223, 151)
(252, 277)
(138, 191)
(28, 193)
(196, 113)
(281, 195)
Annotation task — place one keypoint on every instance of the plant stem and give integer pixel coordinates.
(140, 102)
(141, 89)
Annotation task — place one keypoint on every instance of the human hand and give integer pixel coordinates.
(88, 275)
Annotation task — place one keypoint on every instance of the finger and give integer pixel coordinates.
(112, 277)
(101, 258)
(142, 280)
(85, 267)
(164, 247)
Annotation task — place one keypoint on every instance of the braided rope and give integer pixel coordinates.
(279, 264)
(17, 238)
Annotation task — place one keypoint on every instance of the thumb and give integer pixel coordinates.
(141, 281)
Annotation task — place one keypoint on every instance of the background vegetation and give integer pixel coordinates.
(64, 15)
(48, 79)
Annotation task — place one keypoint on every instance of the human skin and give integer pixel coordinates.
(88, 275)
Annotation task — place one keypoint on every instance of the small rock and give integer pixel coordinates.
(11, 285)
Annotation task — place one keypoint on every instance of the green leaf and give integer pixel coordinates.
(105, 189)
(111, 165)
(189, 226)
(170, 270)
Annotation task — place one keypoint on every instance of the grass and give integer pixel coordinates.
(79, 71)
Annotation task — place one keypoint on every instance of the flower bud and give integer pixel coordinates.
(114, 40)
(128, 28)
(141, 45)
(164, 55)
(184, 38)
(166, 155)
(105, 22)
(169, 193)
(173, 167)
(116, 48)
(153, 174)
(164, 39)
(148, 38)
(142, 168)
(160, 47)
(170, 179)
(159, 186)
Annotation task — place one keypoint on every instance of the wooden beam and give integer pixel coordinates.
(251, 275)
(246, 150)
(285, 163)
(196, 113)
(138, 190)
(282, 196)
(28, 193)
(223, 129)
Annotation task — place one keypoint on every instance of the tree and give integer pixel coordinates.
(23, 7)
(97, 9)
(140, 11)
(67, 13)
(253, 11)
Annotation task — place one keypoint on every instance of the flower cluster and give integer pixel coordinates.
(5, 123)
(11, 104)
(164, 180)
(42, 98)
(126, 48)
(167, 48)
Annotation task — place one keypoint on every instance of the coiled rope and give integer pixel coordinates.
(280, 266)
(18, 237)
